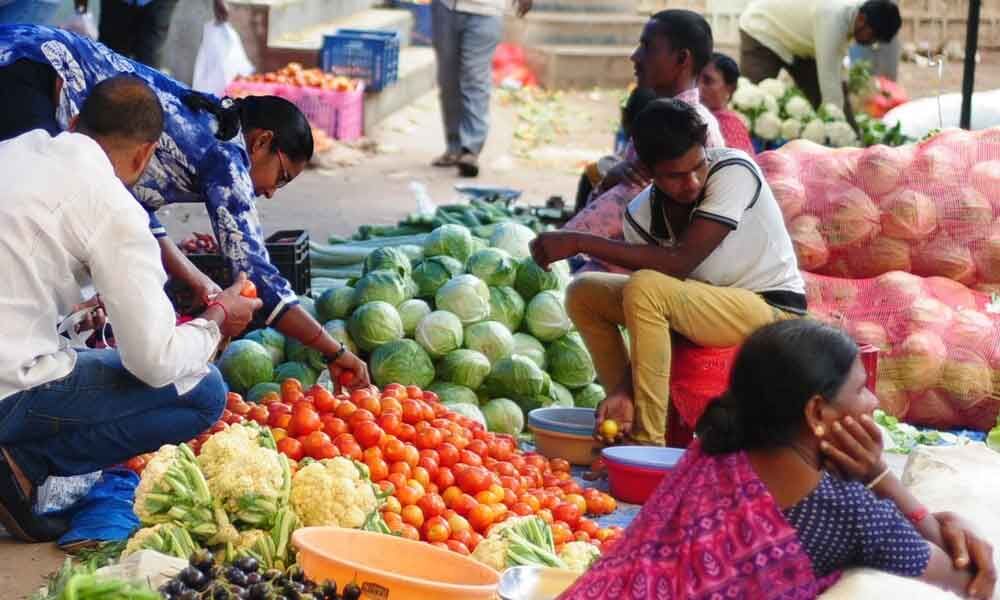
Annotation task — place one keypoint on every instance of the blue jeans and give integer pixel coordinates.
(27, 12)
(464, 44)
(100, 415)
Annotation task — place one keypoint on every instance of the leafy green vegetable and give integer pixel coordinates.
(449, 240)
(306, 375)
(589, 396)
(439, 333)
(386, 286)
(491, 338)
(494, 266)
(503, 415)
(244, 364)
(546, 319)
(528, 346)
(569, 361)
(451, 393)
(374, 324)
(467, 297)
(433, 272)
(464, 367)
(335, 303)
(507, 307)
(905, 437)
(401, 361)
(388, 258)
(412, 312)
(271, 340)
(516, 376)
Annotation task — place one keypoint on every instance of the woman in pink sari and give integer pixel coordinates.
(751, 513)
(716, 84)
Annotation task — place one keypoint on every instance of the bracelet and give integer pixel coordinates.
(878, 478)
(918, 515)
(332, 358)
(225, 313)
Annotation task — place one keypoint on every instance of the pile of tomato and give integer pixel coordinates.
(295, 74)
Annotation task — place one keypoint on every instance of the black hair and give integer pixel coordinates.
(637, 101)
(727, 67)
(883, 17)
(777, 371)
(122, 107)
(666, 130)
(686, 30)
(292, 133)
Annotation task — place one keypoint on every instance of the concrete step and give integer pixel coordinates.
(417, 76)
(595, 6)
(559, 66)
(574, 28)
(303, 46)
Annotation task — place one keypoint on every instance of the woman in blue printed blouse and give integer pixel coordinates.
(222, 154)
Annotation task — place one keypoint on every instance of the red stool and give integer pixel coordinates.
(697, 376)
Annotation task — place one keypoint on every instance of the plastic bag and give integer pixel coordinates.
(82, 24)
(221, 59)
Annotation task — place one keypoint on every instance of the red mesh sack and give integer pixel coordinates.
(939, 344)
(697, 376)
(930, 208)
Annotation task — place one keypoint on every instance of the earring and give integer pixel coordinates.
(819, 431)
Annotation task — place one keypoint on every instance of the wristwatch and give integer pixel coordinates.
(332, 358)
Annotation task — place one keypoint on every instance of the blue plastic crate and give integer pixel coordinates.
(423, 24)
(372, 56)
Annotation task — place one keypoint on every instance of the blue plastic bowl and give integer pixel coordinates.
(646, 457)
(572, 421)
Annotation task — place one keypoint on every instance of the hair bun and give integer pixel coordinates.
(720, 427)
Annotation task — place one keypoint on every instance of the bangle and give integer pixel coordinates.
(917, 515)
(878, 478)
(225, 313)
(315, 337)
(332, 358)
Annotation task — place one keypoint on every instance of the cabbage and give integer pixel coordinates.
(779, 165)
(386, 286)
(244, 364)
(401, 361)
(449, 240)
(507, 307)
(918, 361)
(464, 367)
(335, 303)
(790, 195)
(589, 396)
(296, 370)
(490, 338)
(513, 238)
(881, 255)
(909, 215)
(943, 256)
(470, 411)
(411, 312)
(971, 329)
(450, 393)
(927, 312)
(337, 329)
(272, 340)
(516, 376)
(854, 218)
(569, 361)
(439, 333)
(374, 324)
(467, 297)
(880, 168)
(871, 333)
(546, 318)
(532, 279)
(530, 347)
(434, 272)
(966, 377)
(492, 265)
(503, 416)
(259, 391)
(810, 247)
(987, 257)
(296, 351)
(985, 178)
(388, 259)
(560, 395)
(972, 219)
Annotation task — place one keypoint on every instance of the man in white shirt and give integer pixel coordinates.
(466, 33)
(810, 38)
(69, 221)
(711, 257)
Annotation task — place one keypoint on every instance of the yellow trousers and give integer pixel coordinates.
(650, 304)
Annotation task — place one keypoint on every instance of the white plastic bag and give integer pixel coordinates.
(221, 58)
(82, 24)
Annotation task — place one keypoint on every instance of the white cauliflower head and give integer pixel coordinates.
(492, 552)
(748, 98)
(815, 131)
(833, 112)
(578, 556)
(791, 129)
(155, 469)
(743, 82)
(841, 135)
(332, 492)
(799, 108)
(237, 466)
(773, 87)
(771, 104)
(768, 126)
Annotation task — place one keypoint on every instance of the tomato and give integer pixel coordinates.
(536, 460)
(509, 497)
(479, 447)
(278, 434)
(408, 495)
(474, 480)
(377, 469)
(305, 420)
(412, 411)
(402, 468)
(345, 378)
(373, 453)
(448, 454)
(429, 396)
(359, 416)
(406, 432)
(568, 513)
(391, 404)
(450, 495)
(561, 533)
(481, 517)
(368, 433)
(345, 409)
(217, 427)
(259, 414)
(372, 405)
(457, 523)
(390, 422)
(436, 529)
(392, 518)
(410, 532)
(291, 448)
(398, 480)
(531, 501)
(521, 509)
(505, 469)
(603, 534)
(421, 475)
(334, 426)
(464, 504)
(545, 514)
(432, 505)
(429, 438)
(444, 478)
(412, 515)
(414, 392)
(458, 547)
(411, 455)
(609, 504)
(589, 527)
(323, 399)
(595, 504)
(578, 501)
(290, 388)
(358, 396)
(470, 458)
(269, 397)
(559, 465)
(279, 421)
(475, 540)
(312, 443)
(394, 450)
(249, 290)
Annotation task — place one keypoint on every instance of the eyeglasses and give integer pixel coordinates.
(285, 178)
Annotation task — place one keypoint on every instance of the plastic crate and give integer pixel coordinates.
(289, 252)
(339, 114)
(369, 55)
(422, 33)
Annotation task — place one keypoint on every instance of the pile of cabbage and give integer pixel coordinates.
(474, 320)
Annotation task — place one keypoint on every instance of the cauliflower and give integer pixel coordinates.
(748, 98)
(773, 87)
(791, 129)
(771, 104)
(767, 127)
(815, 131)
(165, 538)
(578, 556)
(518, 541)
(743, 82)
(799, 108)
(785, 77)
(832, 112)
(333, 492)
(841, 135)
(152, 476)
(249, 480)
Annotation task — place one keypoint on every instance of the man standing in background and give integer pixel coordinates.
(466, 33)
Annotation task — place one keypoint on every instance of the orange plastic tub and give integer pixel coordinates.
(391, 568)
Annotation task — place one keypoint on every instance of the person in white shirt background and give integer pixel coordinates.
(810, 38)
(466, 33)
(69, 221)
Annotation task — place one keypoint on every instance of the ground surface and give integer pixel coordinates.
(536, 145)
